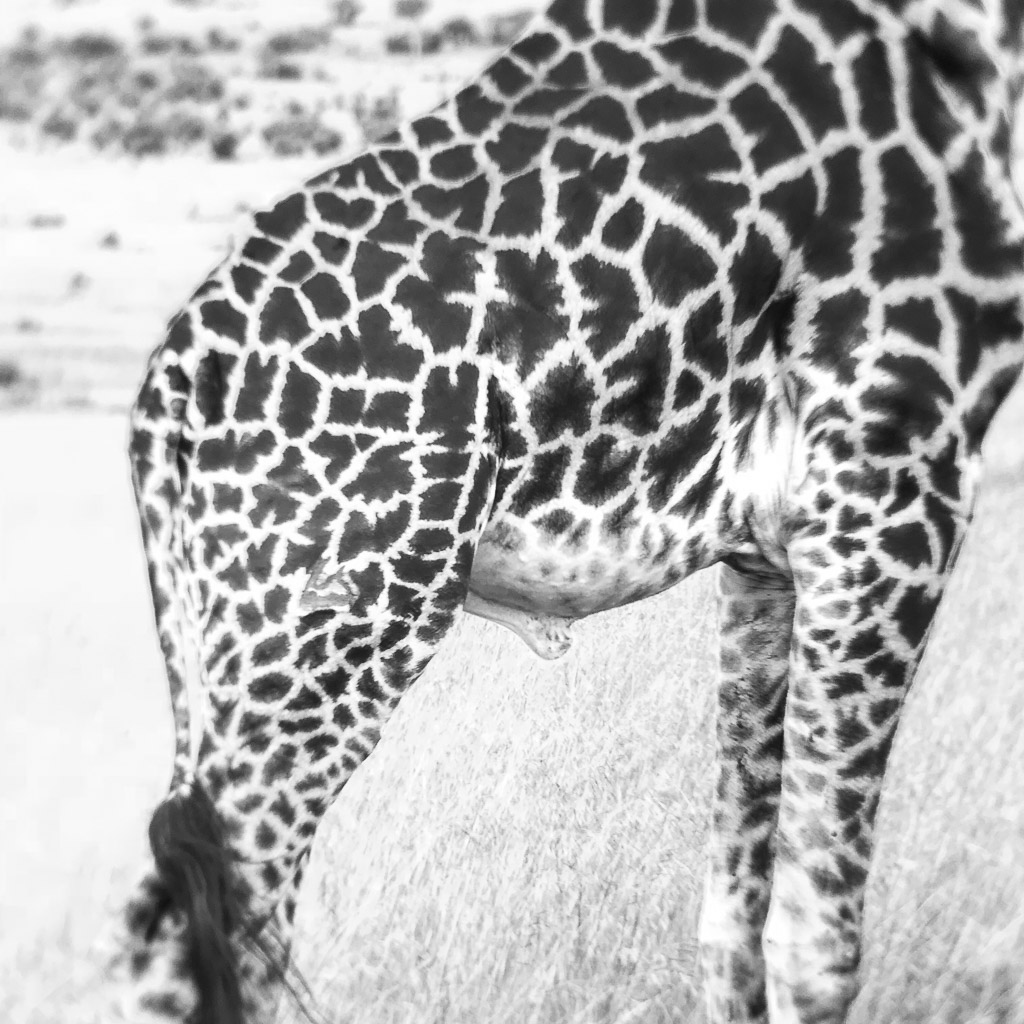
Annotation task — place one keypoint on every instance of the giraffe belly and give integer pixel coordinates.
(521, 567)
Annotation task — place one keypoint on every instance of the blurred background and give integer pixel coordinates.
(135, 137)
(526, 845)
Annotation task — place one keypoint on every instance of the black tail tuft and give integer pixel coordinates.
(193, 864)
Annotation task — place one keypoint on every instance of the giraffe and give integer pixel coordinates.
(673, 284)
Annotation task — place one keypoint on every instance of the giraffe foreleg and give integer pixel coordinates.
(869, 565)
(755, 613)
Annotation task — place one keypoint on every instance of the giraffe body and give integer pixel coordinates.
(675, 283)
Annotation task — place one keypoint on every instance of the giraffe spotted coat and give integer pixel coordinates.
(674, 283)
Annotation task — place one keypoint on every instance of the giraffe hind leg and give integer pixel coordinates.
(755, 623)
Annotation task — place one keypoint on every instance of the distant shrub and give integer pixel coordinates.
(410, 9)
(224, 145)
(282, 70)
(345, 12)
(457, 32)
(299, 40)
(401, 42)
(90, 46)
(376, 117)
(27, 52)
(160, 43)
(183, 129)
(220, 41)
(59, 126)
(297, 135)
(15, 108)
(145, 80)
(108, 134)
(144, 138)
(194, 81)
(11, 374)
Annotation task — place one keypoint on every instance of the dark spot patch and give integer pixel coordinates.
(210, 387)
(620, 66)
(430, 131)
(373, 267)
(531, 319)
(455, 163)
(396, 226)
(522, 205)
(688, 169)
(766, 122)
(605, 470)
(282, 318)
(572, 16)
(917, 319)
(403, 164)
(246, 281)
(701, 62)
(745, 22)
(794, 202)
(703, 345)
(646, 367)
(633, 18)
(285, 219)
(297, 268)
(547, 101)
(754, 275)
(809, 85)
(449, 399)
(325, 293)
(873, 78)
(354, 213)
(260, 250)
(911, 243)
(385, 474)
(219, 316)
(668, 105)
(987, 245)
(270, 687)
(563, 401)
(537, 48)
(445, 323)
(615, 303)
(336, 355)
(508, 76)
(906, 544)
(516, 147)
(624, 227)
(383, 351)
(468, 201)
(906, 402)
(839, 329)
(672, 459)
(544, 480)
(675, 265)
(831, 243)
(603, 115)
(570, 71)
(476, 112)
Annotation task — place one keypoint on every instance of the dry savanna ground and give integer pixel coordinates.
(526, 845)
